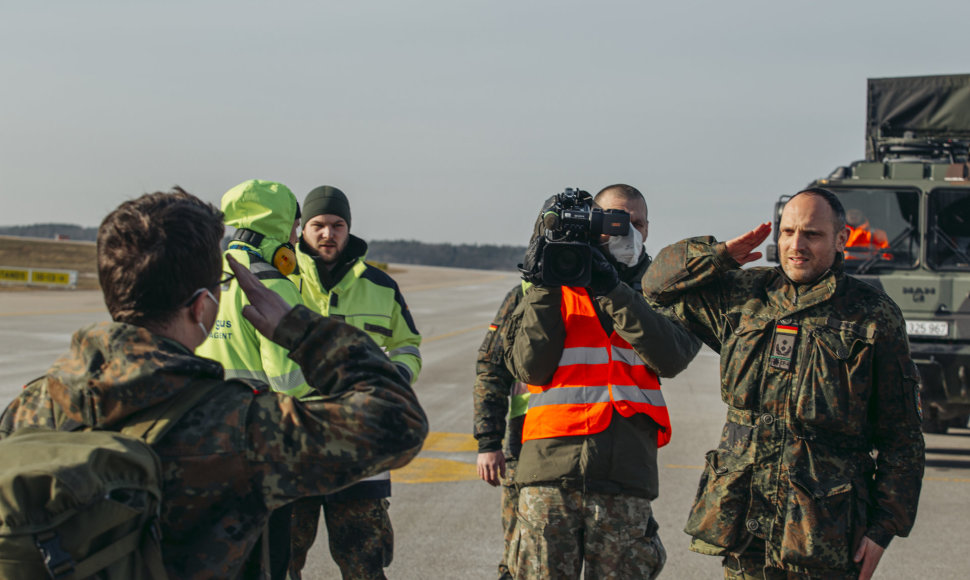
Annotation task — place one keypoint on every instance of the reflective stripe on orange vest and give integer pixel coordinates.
(596, 374)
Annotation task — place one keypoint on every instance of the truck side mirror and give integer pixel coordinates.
(771, 252)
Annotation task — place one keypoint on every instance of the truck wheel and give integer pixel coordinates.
(932, 422)
(959, 422)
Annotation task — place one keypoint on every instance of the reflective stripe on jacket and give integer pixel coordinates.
(369, 299)
(236, 344)
(596, 374)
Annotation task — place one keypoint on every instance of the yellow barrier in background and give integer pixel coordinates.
(38, 277)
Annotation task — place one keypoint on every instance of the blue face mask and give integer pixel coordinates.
(626, 249)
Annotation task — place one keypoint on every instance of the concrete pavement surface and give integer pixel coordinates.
(446, 521)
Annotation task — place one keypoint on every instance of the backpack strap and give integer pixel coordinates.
(100, 560)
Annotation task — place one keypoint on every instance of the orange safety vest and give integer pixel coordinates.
(596, 374)
(862, 238)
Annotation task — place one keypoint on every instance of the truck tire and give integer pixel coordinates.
(932, 422)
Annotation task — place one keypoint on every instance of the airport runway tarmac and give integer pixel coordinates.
(446, 521)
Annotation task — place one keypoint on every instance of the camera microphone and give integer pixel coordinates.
(550, 220)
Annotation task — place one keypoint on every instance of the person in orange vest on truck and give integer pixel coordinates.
(863, 240)
(592, 357)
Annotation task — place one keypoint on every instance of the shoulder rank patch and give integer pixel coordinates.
(783, 347)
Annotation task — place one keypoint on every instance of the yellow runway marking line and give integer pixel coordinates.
(450, 443)
(435, 470)
(481, 327)
(431, 470)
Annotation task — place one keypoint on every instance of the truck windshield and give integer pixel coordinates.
(883, 228)
(948, 242)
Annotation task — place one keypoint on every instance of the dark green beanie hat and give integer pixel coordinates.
(326, 199)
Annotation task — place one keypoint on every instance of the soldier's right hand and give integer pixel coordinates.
(491, 467)
(266, 308)
(742, 247)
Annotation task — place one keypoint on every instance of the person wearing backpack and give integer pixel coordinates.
(226, 462)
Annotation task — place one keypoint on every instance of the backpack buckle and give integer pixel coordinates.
(58, 562)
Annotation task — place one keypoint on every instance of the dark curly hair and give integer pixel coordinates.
(154, 252)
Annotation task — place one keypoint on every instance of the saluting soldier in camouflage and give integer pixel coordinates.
(499, 396)
(817, 375)
(235, 457)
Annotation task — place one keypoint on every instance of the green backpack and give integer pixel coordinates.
(83, 504)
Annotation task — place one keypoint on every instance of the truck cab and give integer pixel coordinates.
(908, 213)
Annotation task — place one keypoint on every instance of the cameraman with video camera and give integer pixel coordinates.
(591, 350)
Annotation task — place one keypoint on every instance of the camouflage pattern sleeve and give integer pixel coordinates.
(32, 408)
(686, 280)
(663, 344)
(368, 421)
(535, 335)
(493, 381)
(897, 436)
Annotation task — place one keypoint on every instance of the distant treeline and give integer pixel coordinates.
(52, 232)
(482, 257)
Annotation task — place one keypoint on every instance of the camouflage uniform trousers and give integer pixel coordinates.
(559, 531)
(510, 501)
(751, 566)
(360, 533)
(747, 569)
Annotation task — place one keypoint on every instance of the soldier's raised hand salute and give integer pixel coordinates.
(742, 247)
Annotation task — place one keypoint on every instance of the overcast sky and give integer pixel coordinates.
(450, 120)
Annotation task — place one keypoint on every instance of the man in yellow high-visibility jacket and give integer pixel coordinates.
(337, 282)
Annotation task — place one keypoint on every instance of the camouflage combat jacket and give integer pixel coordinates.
(622, 459)
(816, 377)
(235, 457)
(497, 394)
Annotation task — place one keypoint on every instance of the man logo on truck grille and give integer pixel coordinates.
(919, 294)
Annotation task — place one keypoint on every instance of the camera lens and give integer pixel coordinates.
(566, 264)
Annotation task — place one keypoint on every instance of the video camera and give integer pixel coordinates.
(572, 225)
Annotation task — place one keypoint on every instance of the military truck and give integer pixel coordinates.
(908, 208)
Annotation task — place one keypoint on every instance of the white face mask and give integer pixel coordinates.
(205, 333)
(626, 249)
